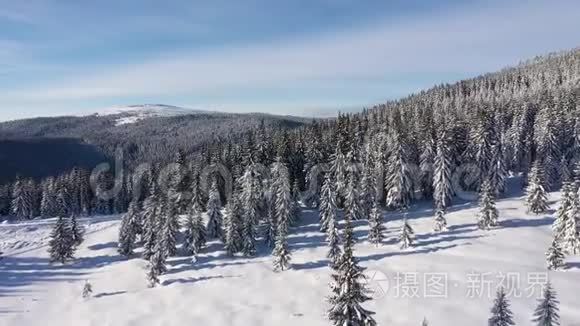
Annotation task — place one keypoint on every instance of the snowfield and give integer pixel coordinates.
(450, 278)
(133, 113)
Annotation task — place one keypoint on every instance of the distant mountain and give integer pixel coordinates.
(146, 133)
(133, 113)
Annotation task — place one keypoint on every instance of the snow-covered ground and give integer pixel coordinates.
(450, 278)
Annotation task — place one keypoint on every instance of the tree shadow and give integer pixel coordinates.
(109, 294)
(519, 223)
(196, 279)
(573, 265)
(101, 246)
(406, 252)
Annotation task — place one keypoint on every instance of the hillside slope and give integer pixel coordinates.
(219, 290)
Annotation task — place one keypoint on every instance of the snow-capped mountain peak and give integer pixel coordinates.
(133, 113)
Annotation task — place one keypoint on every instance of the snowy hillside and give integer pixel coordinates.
(133, 113)
(219, 290)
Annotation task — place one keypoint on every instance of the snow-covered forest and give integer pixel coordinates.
(500, 142)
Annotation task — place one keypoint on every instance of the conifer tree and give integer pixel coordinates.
(352, 204)
(571, 238)
(170, 229)
(250, 215)
(488, 213)
(20, 204)
(406, 236)
(157, 265)
(498, 170)
(61, 244)
(377, 229)
(338, 172)
(555, 256)
(333, 239)
(501, 315)
(440, 221)
(233, 226)
(327, 206)
(426, 165)
(281, 251)
(151, 219)
(563, 212)
(128, 230)
(547, 313)
(425, 322)
(536, 197)
(214, 215)
(367, 193)
(442, 174)
(398, 178)
(76, 231)
(348, 287)
(87, 289)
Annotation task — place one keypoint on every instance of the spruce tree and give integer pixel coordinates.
(536, 197)
(367, 191)
(170, 229)
(87, 289)
(547, 312)
(327, 207)
(281, 251)
(406, 236)
(488, 213)
(501, 315)
(352, 204)
(571, 238)
(442, 174)
(426, 166)
(233, 226)
(214, 214)
(555, 256)
(498, 170)
(333, 239)
(398, 178)
(76, 231)
(128, 230)
(151, 221)
(61, 244)
(377, 229)
(440, 221)
(157, 265)
(425, 322)
(563, 212)
(249, 200)
(348, 287)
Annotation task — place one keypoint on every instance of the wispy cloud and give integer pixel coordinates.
(470, 40)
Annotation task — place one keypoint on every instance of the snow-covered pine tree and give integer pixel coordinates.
(348, 287)
(87, 289)
(426, 165)
(61, 246)
(20, 204)
(398, 177)
(352, 201)
(498, 169)
(127, 231)
(571, 238)
(377, 229)
(76, 231)
(295, 203)
(440, 221)
(425, 322)
(327, 206)
(214, 214)
(281, 251)
(170, 229)
(483, 137)
(367, 191)
(442, 175)
(157, 265)
(338, 172)
(549, 151)
(563, 212)
(333, 239)
(501, 315)
(151, 221)
(536, 197)
(48, 198)
(233, 226)
(406, 236)
(547, 313)
(565, 173)
(249, 201)
(488, 213)
(283, 204)
(555, 256)
(271, 227)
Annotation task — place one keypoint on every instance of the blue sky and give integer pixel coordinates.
(309, 58)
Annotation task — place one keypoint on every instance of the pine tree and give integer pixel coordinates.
(233, 226)
(571, 238)
(338, 172)
(348, 287)
(555, 256)
(76, 231)
(498, 170)
(442, 174)
(281, 251)
(250, 216)
(406, 236)
(151, 219)
(440, 221)
(214, 214)
(536, 198)
(128, 230)
(352, 204)
(61, 244)
(426, 165)
(87, 289)
(547, 312)
(377, 229)
(501, 313)
(327, 207)
(563, 212)
(157, 265)
(488, 213)
(367, 193)
(333, 239)
(20, 204)
(425, 322)
(398, 178)
(170, 229)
